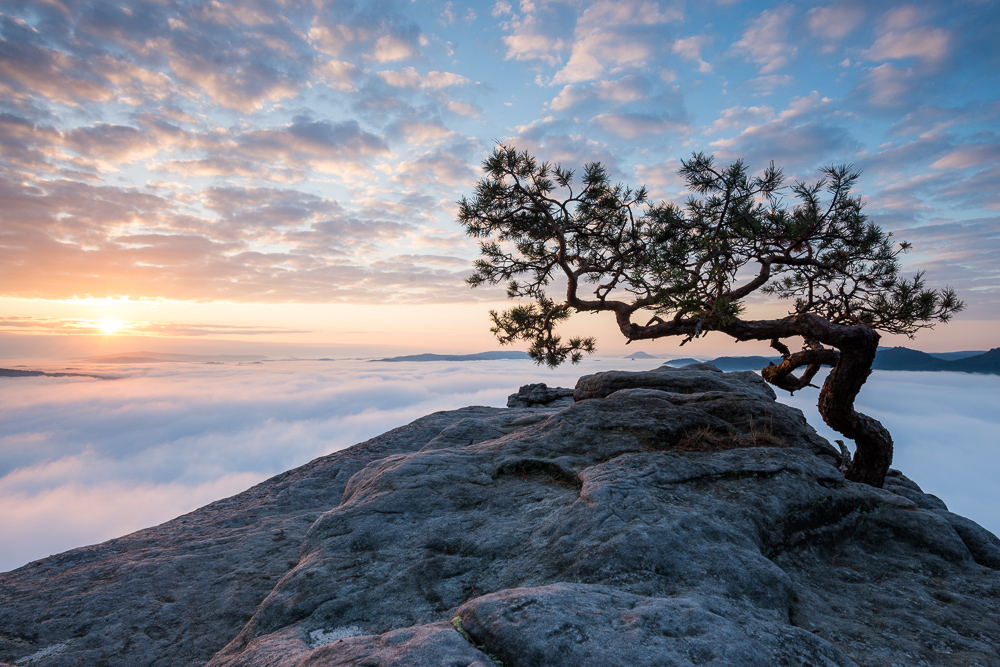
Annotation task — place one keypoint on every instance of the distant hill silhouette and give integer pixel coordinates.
(18, 373)
(951, 356)
(905, 359)
(682, 362)
(754, 363)
(641, 355)
(886, 359)
(988, 362)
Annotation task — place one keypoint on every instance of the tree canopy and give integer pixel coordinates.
(666, 270)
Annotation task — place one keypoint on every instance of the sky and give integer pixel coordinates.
(83, 460)
(272, 175)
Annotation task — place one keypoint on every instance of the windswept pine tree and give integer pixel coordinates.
(664, 270)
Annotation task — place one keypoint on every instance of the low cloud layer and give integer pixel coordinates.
(84, 460)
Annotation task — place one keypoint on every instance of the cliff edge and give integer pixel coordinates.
(670, 517)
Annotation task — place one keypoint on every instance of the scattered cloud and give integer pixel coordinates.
(929, 45)
(636, 126)
(802, 135)
(835, 22)
(902, 36)
(740, 117)
(766, 41)
(970, 156)
(290, 151)
(408, 77)
(628, 89)
(614, 36)
(690, 48)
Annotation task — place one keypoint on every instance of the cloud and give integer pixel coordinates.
(613, 36)
(902, 37)
(930, 45)
(437, 169)
(765, 42)
(979, 189)
(663, 180)
(112, 144)
(419, 133)
(109, 457)
(408, 77)
(961, 254)
(804, 134)
(342, 148)
(969, 156)
(628, 89)
(690, 49)
(500, 8)
(767, 84)
(129, 132)
(389, 48)
(635, 126)
(371, 31)
(319, 141)
(835, 22)
(264, 244)
(74, 327)
(339, 75)
(734, 117)
(534, 34)
(29, 67)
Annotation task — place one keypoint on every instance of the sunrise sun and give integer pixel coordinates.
(110, 326)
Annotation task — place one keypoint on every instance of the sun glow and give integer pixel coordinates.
(110, 327)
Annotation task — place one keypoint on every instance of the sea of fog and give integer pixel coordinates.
(83, 459)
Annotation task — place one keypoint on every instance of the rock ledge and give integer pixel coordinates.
(677, 517)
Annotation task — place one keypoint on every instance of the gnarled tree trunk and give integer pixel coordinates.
(850, 368)
(873, 453)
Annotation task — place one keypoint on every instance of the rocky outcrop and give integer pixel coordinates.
(540, 396)
(694, 522)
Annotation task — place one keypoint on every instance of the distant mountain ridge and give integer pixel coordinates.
(20, 373)
(886, 359)
(641, 355)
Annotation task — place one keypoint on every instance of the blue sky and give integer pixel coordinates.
(269, 154)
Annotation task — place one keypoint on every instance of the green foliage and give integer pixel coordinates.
(687, 269)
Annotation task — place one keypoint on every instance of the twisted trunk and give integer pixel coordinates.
(851, 364)
(873, 453)
(848, 349)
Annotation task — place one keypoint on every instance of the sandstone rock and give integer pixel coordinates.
(691, 522)
(540, 395)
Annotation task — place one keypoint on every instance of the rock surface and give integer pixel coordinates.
(690, 521)
(540, 395)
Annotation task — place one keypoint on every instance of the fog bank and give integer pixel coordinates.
(85, 460)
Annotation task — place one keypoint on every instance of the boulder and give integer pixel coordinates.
(540, 395)
(691, 379)
(692, 522)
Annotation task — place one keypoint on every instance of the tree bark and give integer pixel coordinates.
(873, 453)
(857, 345)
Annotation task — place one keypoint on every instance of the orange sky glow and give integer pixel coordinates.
(285, 178)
